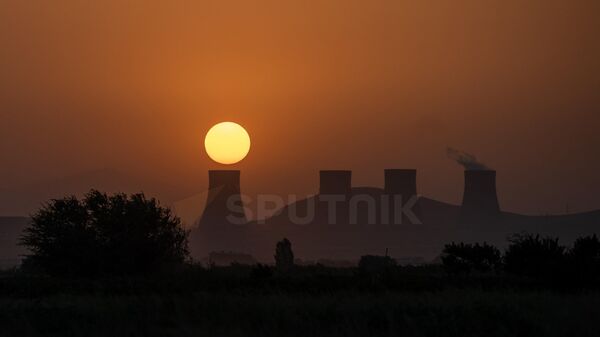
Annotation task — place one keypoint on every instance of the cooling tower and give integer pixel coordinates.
(400, 183)
(335, 182)
(224, 204)
(480, 201)
(335, 188)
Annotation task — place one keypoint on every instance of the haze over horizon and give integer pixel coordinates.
(130, 90)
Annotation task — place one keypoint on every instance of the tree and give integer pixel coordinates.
(284, 256)
(464, 258)
(584, 258)
(586, 249)
(104, 235)
(529, 255)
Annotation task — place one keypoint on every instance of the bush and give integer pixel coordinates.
(261, 272)
(101, 234)
(584, 258)
(464, 258)
(532, 256)
(586, 249)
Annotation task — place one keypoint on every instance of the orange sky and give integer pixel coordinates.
(134, 85)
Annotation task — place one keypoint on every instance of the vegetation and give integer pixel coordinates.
(121, 243)
(104, 235)
(465, 258)
(532, 256)
(469, 312)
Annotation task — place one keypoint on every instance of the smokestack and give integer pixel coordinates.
(480, 201)
(335, 182)
(401, 182)
(224, 200)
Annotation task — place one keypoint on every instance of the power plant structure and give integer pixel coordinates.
(224, 202)
(480, 200)
(400, 185)
(220, 226)
(306, 222)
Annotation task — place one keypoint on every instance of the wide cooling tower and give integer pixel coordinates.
(335, 188)
(400, 183)
(480, 201)
(224, 204)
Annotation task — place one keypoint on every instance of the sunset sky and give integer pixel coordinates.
(133, 87)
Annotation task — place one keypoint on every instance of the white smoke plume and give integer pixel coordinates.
(467, 160)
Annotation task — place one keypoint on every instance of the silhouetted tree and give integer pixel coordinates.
(284, 256)
(584, 258)
(464, 258)
(529, 255)
(586, 249)
(101, 234)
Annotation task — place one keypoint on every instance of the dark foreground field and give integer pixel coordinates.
(443, 313)
(245, 301)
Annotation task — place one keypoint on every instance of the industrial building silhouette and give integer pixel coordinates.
(480, 201)
(355, 230)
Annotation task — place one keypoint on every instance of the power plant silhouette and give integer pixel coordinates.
(480, 201)
(224, 201)
(367, 219)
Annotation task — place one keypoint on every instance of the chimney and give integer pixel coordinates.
(224, 192)
(401, 182)
(480, 201)
(335, 182)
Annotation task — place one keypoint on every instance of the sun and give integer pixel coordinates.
(227, 143)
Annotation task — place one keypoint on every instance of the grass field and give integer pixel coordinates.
(443, 313)
(310, 301)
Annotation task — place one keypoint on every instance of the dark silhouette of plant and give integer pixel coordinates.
(464, 258)
(261, 272)
(532, 256)
(586, 249)
(373, 264)
(584, 258)
(104, 235)
(284, 256)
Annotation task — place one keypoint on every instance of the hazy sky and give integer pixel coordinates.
(133, 86)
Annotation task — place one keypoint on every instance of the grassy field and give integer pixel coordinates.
(309, 301)
(442, 313)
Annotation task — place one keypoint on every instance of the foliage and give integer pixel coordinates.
(464, 258)
(104, 235)
(586, 249)
(284, 256)
(584, 259)
(261, 272)
(377, 271)
(532, 256)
